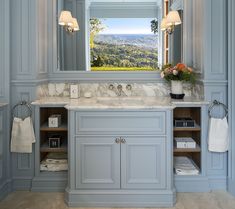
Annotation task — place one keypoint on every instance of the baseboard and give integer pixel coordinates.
(218, 183)
(192, 184)
(5, 189)
(231, 186)
(120, 198)
(40, 184)
(20, 183)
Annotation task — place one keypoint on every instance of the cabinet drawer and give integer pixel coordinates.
(132, 122)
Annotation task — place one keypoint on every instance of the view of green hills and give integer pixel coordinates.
(124, 52)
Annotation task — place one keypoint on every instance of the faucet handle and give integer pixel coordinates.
(128, 87)
(111, 86)
(119, 87)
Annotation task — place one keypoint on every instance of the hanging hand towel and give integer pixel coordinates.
(22, 135)
(218, 139)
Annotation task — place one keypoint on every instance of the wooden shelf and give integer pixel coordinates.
(196, 128)
(193, 132)
(197, 149)
(46, 148)
(63, 127)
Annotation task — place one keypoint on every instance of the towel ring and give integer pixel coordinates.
(22, 103)
(217, 103)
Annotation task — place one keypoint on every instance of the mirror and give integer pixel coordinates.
(109, 39)
(177, 42)
(70, 57)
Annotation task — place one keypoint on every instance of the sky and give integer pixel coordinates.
(127, 26)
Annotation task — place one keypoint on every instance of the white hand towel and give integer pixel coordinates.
(218, 139)
(22, 135)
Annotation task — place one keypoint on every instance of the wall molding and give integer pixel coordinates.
(5, 51)
(26, 82)
(231, 91)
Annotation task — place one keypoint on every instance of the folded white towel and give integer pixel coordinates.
(22, 135)
(185, 166)
(218, 139)
(53, 166)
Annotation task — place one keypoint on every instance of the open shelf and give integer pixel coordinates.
(50, 132)
(196, 128)
(62, 127)
(46, 148)
(197, 149)
(193, 132)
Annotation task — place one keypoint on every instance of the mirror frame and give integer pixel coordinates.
(57, 75)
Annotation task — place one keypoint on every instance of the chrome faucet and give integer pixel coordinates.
(119, 89)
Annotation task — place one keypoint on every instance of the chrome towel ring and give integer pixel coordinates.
(22, 103)
(217, 103)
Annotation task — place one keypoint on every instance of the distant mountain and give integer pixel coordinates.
(126, 51)
(146, 41)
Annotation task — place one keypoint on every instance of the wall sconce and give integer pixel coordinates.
(170, 21)
(68, 22)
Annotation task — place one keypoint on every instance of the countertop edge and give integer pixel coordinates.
(70, 104)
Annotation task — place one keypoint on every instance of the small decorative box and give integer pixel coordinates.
(184, 122)
(184, 142)
(54, 121)
(55, 141)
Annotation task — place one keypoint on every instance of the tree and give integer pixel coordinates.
(98, 62)
(154, 26)
(96, 26)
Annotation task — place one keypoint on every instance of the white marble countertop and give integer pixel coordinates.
(118, 102)
(189, 101)
(3, 104)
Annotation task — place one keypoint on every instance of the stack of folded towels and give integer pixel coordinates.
(185, 166)
(54, 162)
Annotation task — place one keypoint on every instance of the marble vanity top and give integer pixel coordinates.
(118, 102)
(3, 104)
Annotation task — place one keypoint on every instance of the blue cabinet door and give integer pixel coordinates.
(143, 162)
(97, 162)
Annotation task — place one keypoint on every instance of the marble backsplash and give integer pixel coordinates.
(103, 90)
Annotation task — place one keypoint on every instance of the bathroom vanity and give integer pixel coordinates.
(120, 150)
(120, 156)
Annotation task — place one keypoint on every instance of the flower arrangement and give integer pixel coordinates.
(180, 72)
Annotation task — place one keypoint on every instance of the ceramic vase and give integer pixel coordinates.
(177, 90)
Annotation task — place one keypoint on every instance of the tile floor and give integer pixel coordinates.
(36, 200)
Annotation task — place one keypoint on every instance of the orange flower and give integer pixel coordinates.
(180, 66)
(190, 69)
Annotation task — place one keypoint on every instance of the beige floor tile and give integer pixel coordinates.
(36, 200)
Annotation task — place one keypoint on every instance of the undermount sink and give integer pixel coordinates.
(120, 101)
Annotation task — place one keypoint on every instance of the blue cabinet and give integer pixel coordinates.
(54, 178)
(143, 162)
(97, 162)
(120, 158)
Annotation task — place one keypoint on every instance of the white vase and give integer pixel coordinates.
(176, 87)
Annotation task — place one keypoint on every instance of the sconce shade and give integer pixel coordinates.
(163, 24)
(75, 25)
(173, 18)
(66, 18)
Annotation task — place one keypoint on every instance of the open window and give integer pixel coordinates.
(123, 36)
